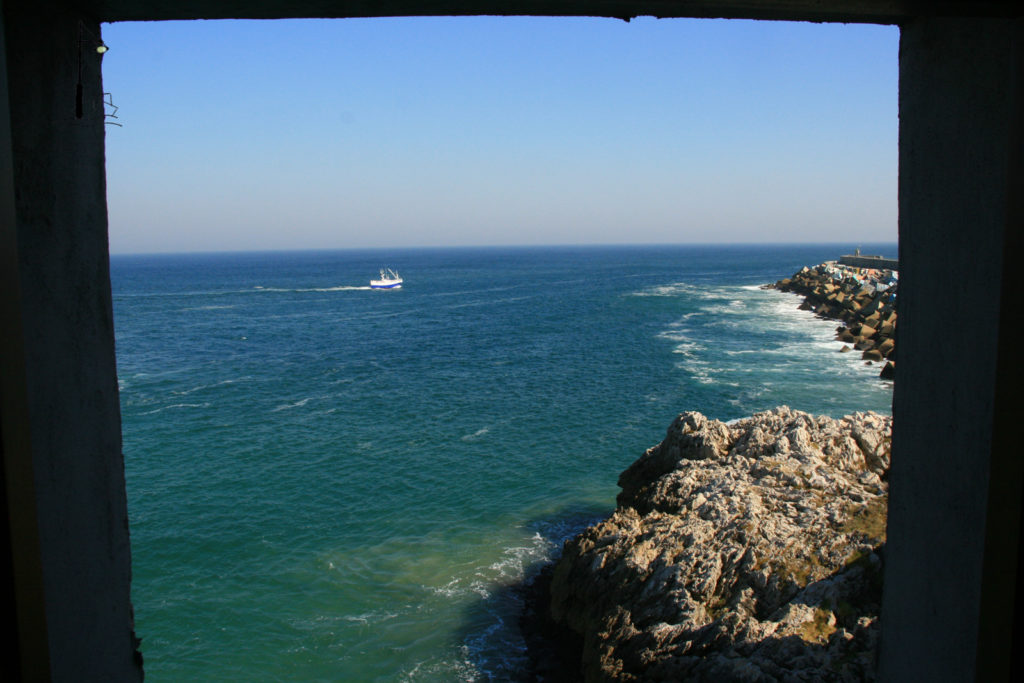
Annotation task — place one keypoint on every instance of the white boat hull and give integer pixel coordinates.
(389, 279)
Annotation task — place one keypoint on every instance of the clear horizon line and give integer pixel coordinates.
(567, 245)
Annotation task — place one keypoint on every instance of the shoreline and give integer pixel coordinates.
(864, 299)
(746, 550)
(553, 651)
(690, 576)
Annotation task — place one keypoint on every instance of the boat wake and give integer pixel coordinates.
(339, 288)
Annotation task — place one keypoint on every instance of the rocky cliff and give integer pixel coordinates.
(747, 551)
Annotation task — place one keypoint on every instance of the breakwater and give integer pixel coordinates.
(863, 298)
(748, 550)
(874, 262)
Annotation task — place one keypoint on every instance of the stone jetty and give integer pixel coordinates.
(742, 551)
(863, 298)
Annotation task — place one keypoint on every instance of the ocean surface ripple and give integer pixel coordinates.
(328, 482)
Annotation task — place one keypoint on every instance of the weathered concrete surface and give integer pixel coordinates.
(958, 80)
(73, 407)
(954, 177)
(22, 607)
(876, 262)
(875, 11)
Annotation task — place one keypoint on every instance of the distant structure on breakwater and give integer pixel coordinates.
(858, 260)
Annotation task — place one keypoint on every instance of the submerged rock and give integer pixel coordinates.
(747, 551)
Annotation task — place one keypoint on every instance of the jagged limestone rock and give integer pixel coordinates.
(747, 551)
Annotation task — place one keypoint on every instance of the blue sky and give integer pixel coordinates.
(397, 132)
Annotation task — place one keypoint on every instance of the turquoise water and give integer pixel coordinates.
(328, 482)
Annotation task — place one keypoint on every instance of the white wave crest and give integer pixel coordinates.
(476, 435)
(297, 404)
(673, 289)
(176, 406)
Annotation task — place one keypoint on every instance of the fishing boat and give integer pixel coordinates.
(389, 279)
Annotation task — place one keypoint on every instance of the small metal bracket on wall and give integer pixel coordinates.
(108, 102)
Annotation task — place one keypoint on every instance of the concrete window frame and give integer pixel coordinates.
(952, 600)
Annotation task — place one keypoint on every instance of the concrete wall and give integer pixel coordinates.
(957, 123)
(73, 406)
(875, 262)
(880, 11)
(22, 607)
(956, 475)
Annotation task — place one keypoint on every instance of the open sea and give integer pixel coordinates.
(333, 483)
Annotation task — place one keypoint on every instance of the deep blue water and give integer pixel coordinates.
(328, 482)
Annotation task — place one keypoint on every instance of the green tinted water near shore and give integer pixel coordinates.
(332, 483)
